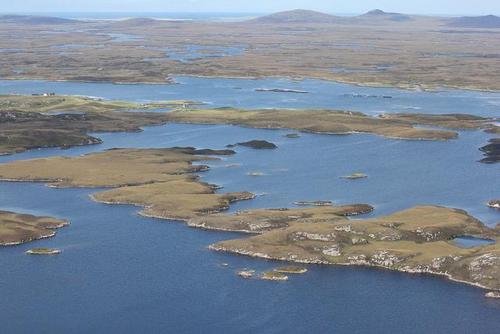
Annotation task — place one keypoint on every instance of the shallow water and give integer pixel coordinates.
(121, 38)
(470, 242)
(218, 92)
(195, 52)
(123, 273)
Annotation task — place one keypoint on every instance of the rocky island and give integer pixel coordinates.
(313, 203)
(494, 204)
(16, 228)
(291, 270)
(281, 90)
(354, 176)
(274, 276)
(491, 151)
(43, 251)
(258, 144)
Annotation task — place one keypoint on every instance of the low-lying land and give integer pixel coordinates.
(418, 240)
(161, 180)
(491, 151)
(374, 49)
(28, 122)
(18, 228)
(336, 122)
(259, 221)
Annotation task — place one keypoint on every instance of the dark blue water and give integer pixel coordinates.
(123, 273)
(241, 93)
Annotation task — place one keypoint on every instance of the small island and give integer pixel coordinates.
(246, 273)
(494, 204)
(43, 251)
(491, 151)
(291, 270)
(274, 276)
(313, 203)
(281, 90)
(493, 294)
(255, 174)
(258, 144)
(355, 176)
(292, 135)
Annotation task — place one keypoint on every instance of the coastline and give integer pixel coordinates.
(373, 266)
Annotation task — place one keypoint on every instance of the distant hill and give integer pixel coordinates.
(297, 16)
(31, 19)
(310, 16)
(488, 21)
(380, 14)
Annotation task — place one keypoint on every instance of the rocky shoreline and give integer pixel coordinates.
(415, 241)
(361, 263)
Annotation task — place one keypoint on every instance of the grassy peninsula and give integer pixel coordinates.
(400, 126)
(16, 228)
(28, 122)
(161, 180)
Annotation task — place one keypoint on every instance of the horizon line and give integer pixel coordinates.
(220, 12)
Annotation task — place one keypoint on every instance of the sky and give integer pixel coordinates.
(450, 7)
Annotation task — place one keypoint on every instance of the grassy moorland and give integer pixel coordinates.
(376, 49)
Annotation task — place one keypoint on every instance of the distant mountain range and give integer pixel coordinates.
(374, 16)
(488, 21)
(310, 16)
(297, 16)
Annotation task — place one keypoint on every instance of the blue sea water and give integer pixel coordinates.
(123, 273)
(221, 92)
